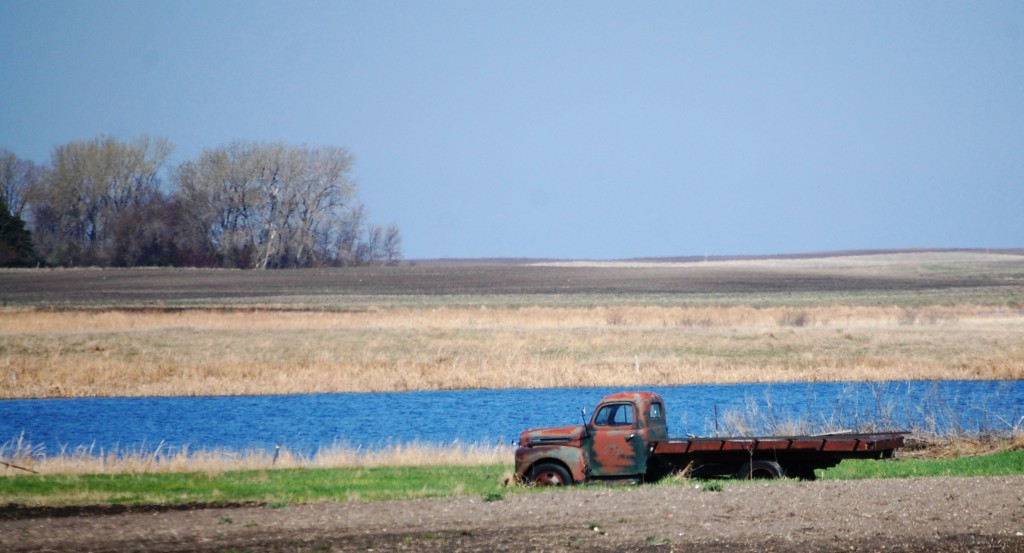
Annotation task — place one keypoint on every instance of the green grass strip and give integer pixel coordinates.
(1005, 463)
(270, 486)
(287, 486)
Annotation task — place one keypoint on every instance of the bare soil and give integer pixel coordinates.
(933, 514)
(955, 272)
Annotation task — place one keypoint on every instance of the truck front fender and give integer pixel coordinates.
(572, 457)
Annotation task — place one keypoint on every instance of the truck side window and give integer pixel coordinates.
(616, 414)
(655, 412)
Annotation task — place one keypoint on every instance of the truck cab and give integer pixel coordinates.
(613, 444)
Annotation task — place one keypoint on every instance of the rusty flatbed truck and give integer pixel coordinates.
(627, 439)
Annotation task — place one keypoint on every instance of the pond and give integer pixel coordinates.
(305, 423)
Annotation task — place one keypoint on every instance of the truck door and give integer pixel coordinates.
(617, 446)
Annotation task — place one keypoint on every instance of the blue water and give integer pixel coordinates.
(306, 422)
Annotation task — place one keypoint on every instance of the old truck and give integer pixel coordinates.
(627, 439)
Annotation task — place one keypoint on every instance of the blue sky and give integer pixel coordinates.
(595, 130)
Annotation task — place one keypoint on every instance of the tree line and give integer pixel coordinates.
(105, 202)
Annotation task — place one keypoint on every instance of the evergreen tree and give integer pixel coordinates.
(15, 240)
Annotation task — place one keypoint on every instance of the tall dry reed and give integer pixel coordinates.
(211, 352)
(18, 456)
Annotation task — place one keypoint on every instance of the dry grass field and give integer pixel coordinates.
(21, 457)
(74, 333)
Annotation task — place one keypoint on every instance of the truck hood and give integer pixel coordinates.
(559, 435)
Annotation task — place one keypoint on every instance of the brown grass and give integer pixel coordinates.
(20, 457)
(952, 447)
(213, 352)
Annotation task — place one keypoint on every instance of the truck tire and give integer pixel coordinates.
(761, 469)
(549, 474)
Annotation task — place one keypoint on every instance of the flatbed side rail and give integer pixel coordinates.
(826, 442)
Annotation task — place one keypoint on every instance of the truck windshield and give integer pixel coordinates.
(616, 414)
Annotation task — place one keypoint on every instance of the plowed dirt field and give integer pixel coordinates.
(932, 514)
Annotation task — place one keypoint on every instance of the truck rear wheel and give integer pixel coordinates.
(761, 469)
(549, 474)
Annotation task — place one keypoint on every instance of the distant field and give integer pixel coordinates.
(884, 279)
(86, 332)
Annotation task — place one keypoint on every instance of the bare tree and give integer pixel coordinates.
(392, 244)
(347, 238)
(17, 177)
(89, 186)
(268, 205)
(218, 192)
(370, 251)
(306, 192)
(246, 204)
(321, 198)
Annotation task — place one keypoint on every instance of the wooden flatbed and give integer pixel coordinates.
(873, 444)
(772, 456)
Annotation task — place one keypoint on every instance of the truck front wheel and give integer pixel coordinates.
(549, 474)
(761, 469)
